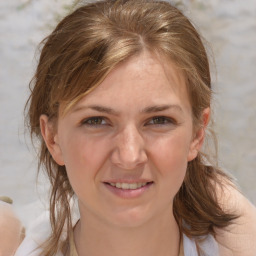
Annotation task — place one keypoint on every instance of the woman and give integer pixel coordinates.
(120, 103)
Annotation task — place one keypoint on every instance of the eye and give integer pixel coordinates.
(94, 121)
(161, 120)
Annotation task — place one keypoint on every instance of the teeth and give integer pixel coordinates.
(128, 185)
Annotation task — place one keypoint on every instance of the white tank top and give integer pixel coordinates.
(208, 246)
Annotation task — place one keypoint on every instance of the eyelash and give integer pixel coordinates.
(92, 121)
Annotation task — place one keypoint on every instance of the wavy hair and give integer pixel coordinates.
(75, 58)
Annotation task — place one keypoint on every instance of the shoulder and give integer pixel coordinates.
(239, 238)
(11, 230)
(39, 231)
(36, 234)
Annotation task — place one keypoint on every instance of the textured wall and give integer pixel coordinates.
(230, 28)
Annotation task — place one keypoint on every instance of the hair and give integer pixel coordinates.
(76, 57)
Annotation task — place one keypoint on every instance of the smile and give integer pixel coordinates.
(128, 190)
(128, 185)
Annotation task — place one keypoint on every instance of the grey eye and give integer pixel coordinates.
(95, 121)
(160, 120)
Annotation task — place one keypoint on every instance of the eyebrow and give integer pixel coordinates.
(147, 110)
(160, 108)
(98, 108)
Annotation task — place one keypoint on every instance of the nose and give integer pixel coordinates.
(129, 149)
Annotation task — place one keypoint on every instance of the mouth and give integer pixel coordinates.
(128, 190)
(128, 186)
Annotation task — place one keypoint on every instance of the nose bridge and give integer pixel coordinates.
(129, 149)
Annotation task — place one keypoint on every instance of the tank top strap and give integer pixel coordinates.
(207, 245)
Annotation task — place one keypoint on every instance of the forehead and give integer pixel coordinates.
(145, 80)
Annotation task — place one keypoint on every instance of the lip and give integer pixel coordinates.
(128, 193)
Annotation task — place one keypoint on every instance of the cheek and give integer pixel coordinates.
(169, 156)
(83, 157)
(171, 151)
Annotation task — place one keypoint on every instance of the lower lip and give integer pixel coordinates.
(128, 193)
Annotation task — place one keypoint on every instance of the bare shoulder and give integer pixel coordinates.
(240, 237)
(11, 230)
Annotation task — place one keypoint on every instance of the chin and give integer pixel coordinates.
(130, 218)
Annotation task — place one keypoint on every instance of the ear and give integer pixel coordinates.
(51, 139)
(198, 140)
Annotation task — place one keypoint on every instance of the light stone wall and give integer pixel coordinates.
(230, 28)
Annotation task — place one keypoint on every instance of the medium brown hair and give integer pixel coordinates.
(84, 47)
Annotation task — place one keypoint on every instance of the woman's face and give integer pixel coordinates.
(126, 144)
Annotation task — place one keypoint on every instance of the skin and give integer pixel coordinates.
(135, 126)
(238, 238)
(133, 145)
(11, 234)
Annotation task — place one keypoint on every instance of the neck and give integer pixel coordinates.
(159, 236)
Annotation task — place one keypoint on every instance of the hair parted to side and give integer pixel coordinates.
(84, 47)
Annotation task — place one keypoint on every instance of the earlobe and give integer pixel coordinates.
(198, 140)
(51, 139)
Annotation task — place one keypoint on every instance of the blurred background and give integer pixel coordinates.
(229, 27)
